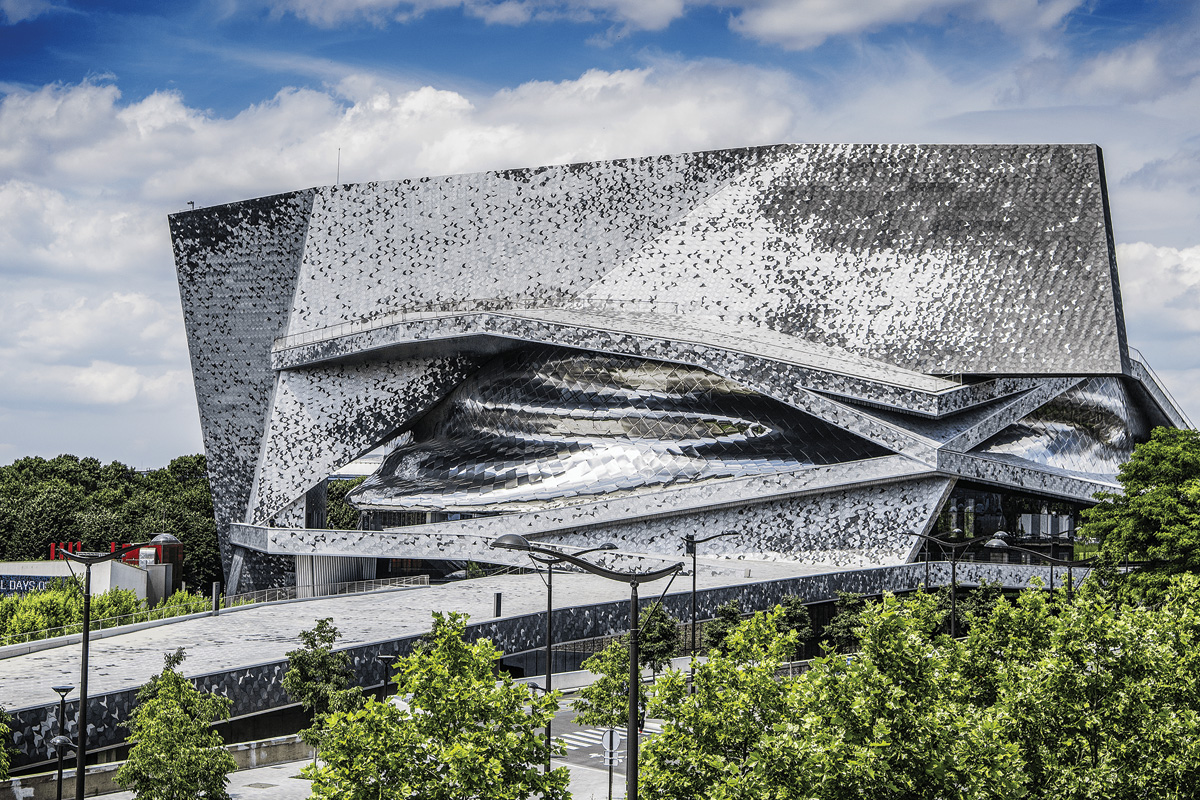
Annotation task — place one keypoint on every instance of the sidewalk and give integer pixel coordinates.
(282, 782)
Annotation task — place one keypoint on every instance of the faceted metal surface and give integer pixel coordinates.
(544, 425)
(944, 259)
(923, 298)
(1091, 429)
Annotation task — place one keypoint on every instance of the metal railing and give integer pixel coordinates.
(598, 306)
(1141, 359)
(309, 593)
(205, 604)
(426, 310)
(201, 604)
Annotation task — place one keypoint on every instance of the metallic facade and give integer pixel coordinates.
(808, 345)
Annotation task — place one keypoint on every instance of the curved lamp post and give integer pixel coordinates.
(956, 549)
(511, 541)
(549, 563)
(88, 559)
(689, 548)
(998, 543)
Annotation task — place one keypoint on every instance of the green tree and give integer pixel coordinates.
(5, 743)
(658, 642)
(72, 499)
(1045, 700)
(340, 515)
(976, 605)
(795, 618)
(717, 630)
(1110, 708)
(319, 678)
(885, 723)
(1156, 517)
(462, 733)
(842, 631)
(176, 755)
(605, 701)
(710, 734)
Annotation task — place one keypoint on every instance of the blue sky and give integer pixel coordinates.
(113, 115)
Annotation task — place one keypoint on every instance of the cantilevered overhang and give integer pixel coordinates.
(753, 357)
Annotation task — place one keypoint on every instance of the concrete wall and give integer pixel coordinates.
(101, 778)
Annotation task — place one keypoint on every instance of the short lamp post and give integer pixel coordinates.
(689, 548)
(998, 543)
(61, 742)
(512, 541)
(549, 563)
(956, 549)
(88, 559)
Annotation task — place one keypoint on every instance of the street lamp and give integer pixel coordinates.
(955, 549)
(61, 743)
(511, 541)
(549, 563)
(61, 740)
(88, 559)
(689, 547)
(998, 543)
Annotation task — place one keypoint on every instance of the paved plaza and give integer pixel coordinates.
(283, 782)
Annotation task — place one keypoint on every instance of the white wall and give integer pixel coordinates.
(107, 575)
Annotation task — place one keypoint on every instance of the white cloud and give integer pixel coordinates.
(14, 11)
(1160, 288)
(794, 24)
(47, 231)
(89, 316)
(135, 325)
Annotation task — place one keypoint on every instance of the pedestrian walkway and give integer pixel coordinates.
(283, 782)
(276, 782)
(263, 634)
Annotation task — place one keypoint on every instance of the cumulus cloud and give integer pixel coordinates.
(90, 320)
(1160, 287)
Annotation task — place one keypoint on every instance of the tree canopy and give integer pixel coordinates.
(1157, 516)
(176, 755)
(461, 732)
(67, 498)
(605, 701)
(318, 677)
(658, 641)
(1045, 698)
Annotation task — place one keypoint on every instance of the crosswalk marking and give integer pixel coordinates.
(593, 736)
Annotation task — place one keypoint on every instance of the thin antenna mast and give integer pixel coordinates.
(338, 180)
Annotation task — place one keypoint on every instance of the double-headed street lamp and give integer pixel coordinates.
(88, 559)
(956, 549)
(997, 543)
(512, 541)
(689, 548)
(549, 563)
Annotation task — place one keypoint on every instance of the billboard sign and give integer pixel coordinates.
(19, 584)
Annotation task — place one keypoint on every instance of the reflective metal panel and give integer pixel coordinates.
(543, 425)
(1090, 429)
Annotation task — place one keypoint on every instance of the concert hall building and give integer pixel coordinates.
(822, 349)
